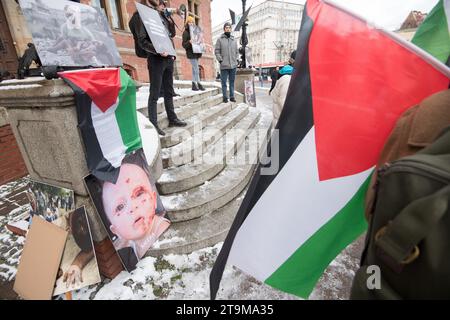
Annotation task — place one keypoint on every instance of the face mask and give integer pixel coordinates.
(228, 34)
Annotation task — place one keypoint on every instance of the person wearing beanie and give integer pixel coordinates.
(193, 57)
(226, 51)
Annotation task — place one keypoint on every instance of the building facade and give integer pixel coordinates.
(410, 25)
(14, 36)
(272, 31)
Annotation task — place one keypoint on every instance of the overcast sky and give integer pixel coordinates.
(386, 13)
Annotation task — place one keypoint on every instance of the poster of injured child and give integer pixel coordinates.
(131, 209)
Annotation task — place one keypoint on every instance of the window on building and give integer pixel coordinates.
(116, 14)
(194, 10)
(98, 4)
(113, 10)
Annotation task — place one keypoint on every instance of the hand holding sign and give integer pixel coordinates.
(156, 30)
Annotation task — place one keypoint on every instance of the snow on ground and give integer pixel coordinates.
(186, 277)
(181, 277)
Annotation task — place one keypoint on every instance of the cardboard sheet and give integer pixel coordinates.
(39, 263)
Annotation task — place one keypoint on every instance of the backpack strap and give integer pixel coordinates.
(397, 242)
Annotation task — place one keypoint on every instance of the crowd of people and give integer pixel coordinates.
(47, 205)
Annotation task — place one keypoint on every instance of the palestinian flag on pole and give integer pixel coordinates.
(106, 108)
(350, 85)
(433, 34)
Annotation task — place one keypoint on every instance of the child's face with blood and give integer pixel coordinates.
(130, 203)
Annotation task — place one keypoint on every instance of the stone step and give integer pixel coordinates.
(188, 176)
(183, 84)
(143, 93)
(195, 146)
(176, 135)
(224, 187)
(188, 236)
(185, 99)
(190, 110)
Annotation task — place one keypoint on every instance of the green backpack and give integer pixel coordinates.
(407, 250)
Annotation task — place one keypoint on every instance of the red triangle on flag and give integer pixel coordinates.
(101, 85)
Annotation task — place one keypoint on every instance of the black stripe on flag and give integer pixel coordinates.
(295, 121)
(96, 163)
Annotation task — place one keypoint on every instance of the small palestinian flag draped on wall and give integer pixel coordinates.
(106, 108)
(351, 83)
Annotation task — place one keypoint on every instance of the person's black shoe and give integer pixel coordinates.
(160, 132)
(200, 86)
(176, 94)
(225, 100)
(194, 87)
(177, 123)
(233, 99)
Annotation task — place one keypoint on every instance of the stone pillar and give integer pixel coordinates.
(43, 118)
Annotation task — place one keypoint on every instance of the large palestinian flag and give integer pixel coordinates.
(433, 34)
(106, 108)
(350, 85)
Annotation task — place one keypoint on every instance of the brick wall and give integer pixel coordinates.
(12, 166)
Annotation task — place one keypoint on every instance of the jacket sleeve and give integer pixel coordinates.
(275, 104)
(172, 30)
(279, 94)
(217, 51)
(186, 37)
(237, 50)
(143, 39)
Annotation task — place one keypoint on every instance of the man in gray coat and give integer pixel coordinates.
(228, 55)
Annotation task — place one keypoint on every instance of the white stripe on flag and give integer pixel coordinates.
(108, 134)
(290, 211)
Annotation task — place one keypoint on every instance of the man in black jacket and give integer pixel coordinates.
(160, 66)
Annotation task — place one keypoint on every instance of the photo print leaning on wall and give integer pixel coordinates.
(49, 202)
(78, 266)
(131, 209)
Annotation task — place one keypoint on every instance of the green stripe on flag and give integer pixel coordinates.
(433, 34)
(126, 113)
(300, 273)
